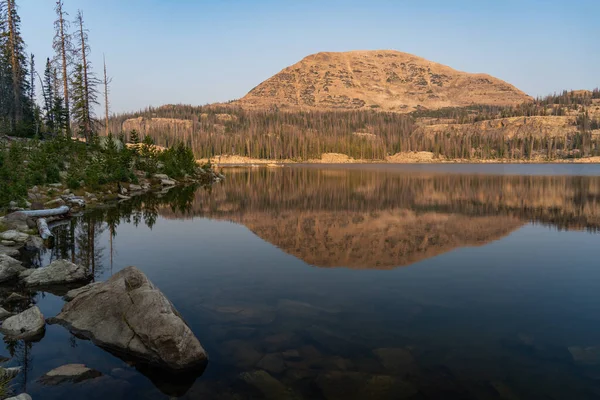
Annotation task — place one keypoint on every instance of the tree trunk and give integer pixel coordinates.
(63, 54)
(14, 61)
(43, 229)
(105, 97)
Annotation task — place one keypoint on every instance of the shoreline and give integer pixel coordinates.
(77, 201)
(401, 158)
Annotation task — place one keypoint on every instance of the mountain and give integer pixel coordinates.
(383, 80)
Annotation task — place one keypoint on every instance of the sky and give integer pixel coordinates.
(204, 51)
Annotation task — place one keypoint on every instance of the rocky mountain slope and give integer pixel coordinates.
(384, 80)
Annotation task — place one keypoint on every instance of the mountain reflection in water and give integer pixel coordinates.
(513, 316)
(364, 219)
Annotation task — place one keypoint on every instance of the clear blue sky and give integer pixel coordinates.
(198, 52)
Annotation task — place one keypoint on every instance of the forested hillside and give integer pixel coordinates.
(557, 126)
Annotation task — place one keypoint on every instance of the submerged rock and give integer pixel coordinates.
(9, 268)
(270, 388)
(585, 355)
(240, 353)
(73, 373)
(272, 363)
(396, 360)
(57, 273)
(26, 325)
(360, 385)
(128, 314)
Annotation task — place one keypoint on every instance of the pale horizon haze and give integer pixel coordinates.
(199, 52)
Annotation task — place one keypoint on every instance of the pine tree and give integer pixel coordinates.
(49, 96)
(5, 73)
(79, 110)
(60, 111)
(17, 108)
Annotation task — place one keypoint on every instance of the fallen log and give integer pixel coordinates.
(44, 213)
(57, 223)
(43, 229)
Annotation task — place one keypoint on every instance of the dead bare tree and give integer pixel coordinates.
(106, 82)
(62, 47)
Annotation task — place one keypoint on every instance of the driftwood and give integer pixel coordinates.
(43, 229)
(44, 213)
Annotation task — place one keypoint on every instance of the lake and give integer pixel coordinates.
(352, 282)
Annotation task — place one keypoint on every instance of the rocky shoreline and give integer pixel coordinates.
(153, 334)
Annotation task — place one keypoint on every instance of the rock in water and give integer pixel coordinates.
(128, 314)
(34, 243)
(15, 236)
(4, 314)
(60, 272)
(74, 373)
(23, 396)
(26, 325)
(9, 268)
(9, 373)
(9, 251)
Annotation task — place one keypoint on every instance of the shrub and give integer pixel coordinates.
(178, 161)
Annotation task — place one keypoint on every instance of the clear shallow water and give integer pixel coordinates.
(350, 282)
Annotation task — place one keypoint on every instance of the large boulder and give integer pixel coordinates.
(9, 268)
(60, 272)
(129, 315)
(27, 325)
(71, 294)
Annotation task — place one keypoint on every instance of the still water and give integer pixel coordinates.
(361, 282)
